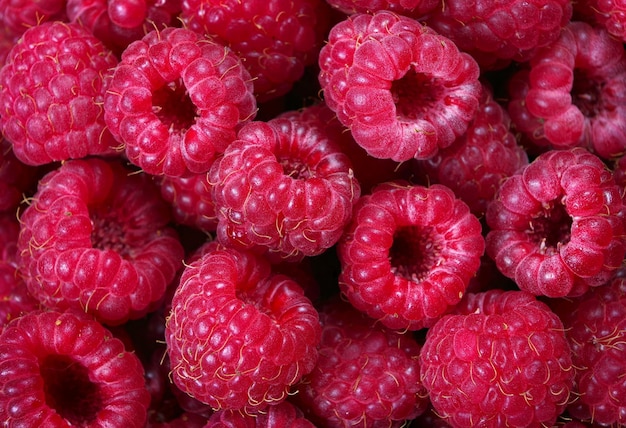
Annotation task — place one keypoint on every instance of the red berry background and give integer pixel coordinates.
(312, 213)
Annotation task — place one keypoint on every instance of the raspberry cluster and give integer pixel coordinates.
(312, 213)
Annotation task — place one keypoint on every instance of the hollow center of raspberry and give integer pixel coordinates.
(415, 94)
(414, 252)
(173, 107)
(587, 94)
(108, 233)
(295, 168)
(69, 391)
(551, 229)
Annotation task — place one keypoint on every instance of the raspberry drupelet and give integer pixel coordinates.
(52, 88)
(403, 90)
(283, 188)
(610, 14)
(238, 335)
(176, 100)
(64, 369)
(96, 237)
(557, 226)
(16, 16)
(409, 253)
(283, 414)
(413, 8)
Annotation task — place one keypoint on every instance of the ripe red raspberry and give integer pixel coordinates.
(65, 369)
(239, 336)
(16, 16)
(366, 375)
(409, 253)
(573, 93)
(283, 188)
(191, 200)
(51, 92)
(96, 237)
(557, 226)
(496, 33)
(276, 39)
(500, 360)
(477, 162)
(281, 415)
(17, 180)
(413, 8)
(176, 100)
(610, 14)
(402, 90)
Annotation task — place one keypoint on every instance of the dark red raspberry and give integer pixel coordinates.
(17, 180)
(281, 415)
(51, 92)
(496, 33)
(283, 188)
(402, 90)
(610, 14)
(276, 39)
(191, 200)
(500, 360)
(65, 369)
(176, 100)
(238, 336)
(409, 253)
(413, 8)
(574, 92)
(557, 226)
(16, 16)
(478, 161)
(96, 237)
(366, 375)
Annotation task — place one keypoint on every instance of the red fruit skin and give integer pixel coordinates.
(62, 369)
(17, 16)
(52, 87)
(609, 14)
(97, 238)
(191, 200)
(413, 8)
(176, 101)
(409, 253)
(557, 227)
(238, 336)
(283, 414)
(501, 359)
(403, 90)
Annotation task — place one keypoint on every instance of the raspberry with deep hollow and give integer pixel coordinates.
(409, 253)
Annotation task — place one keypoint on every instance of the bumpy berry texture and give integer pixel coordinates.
(283, 414)
(414, 8)
(65, 369)
(409, 253)
(96, 237)
(573, 93)
(191, 200)
(51, 92)
(239, 336)
(176, 100)
(500, 360)
(276, 39)
(366, 375)
(402, 90)
(497, 33)
(477, 162)
(610, 14)
(17, 16)
(557, 226)
(283, 188)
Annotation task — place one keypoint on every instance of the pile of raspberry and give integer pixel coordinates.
(312, 213)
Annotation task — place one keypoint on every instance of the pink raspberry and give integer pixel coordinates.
(276, 39)
(609, 14)
(413, 8)
(557, 226)
(283, 414)
(367, 375)
(176, 100)
(283, 188)
(500, 360)
(96, 237)
(191, 200)
(402, 90)
(574, 93)
(51, 92)
(497, 33)
(65, 369)
(16, 16)
(239, 336)
(409, 253)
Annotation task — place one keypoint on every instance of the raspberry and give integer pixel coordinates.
(65, 369)
(573, 92)
(51, 92)
(239, 336)
(283, 188)
(366, 375)
(176, 99)
(402, 90)
(557, 227)
(501, 359)
(478, 161)
(16, 178)
(610, 14)
(409, 253)
(276, 39)
(191, 200)
(497, 33)
(96, 237)
(413, 8)
(283, 414)
(17, 16)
